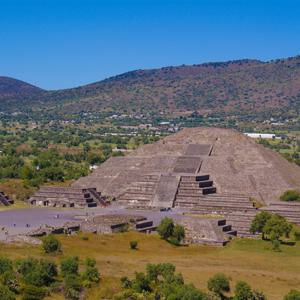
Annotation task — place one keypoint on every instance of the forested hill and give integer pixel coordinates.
(232, 87)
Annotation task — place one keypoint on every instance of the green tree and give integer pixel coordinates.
(292, 295)
(69, 266)
(178, 233)
(276, 227)
(51, 244)
(259, 222)
(219, 284)
(41, 274)
(166, 228)
(243, 291)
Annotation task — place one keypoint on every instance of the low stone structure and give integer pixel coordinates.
(57, 196)
(4, 200)
(112, 223)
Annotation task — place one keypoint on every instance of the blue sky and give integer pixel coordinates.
(65, 43)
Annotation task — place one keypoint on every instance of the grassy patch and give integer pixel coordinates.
(275, 273)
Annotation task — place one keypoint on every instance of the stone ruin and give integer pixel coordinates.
(117, 223)
(57, 196)
(4, 200)
(200, 171)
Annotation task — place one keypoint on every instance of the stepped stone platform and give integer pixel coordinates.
(57, 196)
(203, 171)
(4, 200)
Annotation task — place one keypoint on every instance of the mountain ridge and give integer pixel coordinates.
(227, 87)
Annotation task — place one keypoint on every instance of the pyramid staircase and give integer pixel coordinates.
(198, 195)
(289, 210)
(140, 194)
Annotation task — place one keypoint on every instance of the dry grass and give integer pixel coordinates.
(275, 273)
(16, 189)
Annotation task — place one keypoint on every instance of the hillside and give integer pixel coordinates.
(13, 89)
(230, 87)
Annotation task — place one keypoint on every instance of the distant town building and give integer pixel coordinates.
(255, 135)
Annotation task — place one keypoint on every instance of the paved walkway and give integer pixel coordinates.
(21, 221)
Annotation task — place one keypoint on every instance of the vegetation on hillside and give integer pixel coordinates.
(248, 265)
(34, 279)
(241, 87)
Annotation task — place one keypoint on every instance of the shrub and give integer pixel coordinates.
(276, 245)
(178, 233)
(165, 228)
(258, 295)
(292, 295)
(297, 235)
(276, 227)
(6, 293)
(243, 291)
(9, 279)
(5, 265)
(133, 245)
(72, 287)
(25, 265)
(31, 292)
(40, 274)
(259, 222)
(290, 195)
(51, 244)
(126, 282)
(91, 274)
(69, 266)
(219, 284)
(168, 231)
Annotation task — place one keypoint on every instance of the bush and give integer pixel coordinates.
(9, 279)
(51, 244)
(91, 274)
(259, 222)
(69, 266)
(178, 233)
(290, 195)
(276, 227)
(170, 232)
(5, 265)
(165, 228)
(276, 245)
(292, 295)
(219, 284)
(297, 235)
(243, 291)
(133, 245)
(72, 287)
(31, 292)
(258, 295)
(6, 293)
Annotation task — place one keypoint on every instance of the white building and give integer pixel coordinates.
(255, 135)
